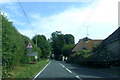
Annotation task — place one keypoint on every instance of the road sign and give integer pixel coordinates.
(32, 54)
(29, 49)
(29, 45)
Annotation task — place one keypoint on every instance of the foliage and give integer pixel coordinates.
(57, 43)
(43, 44)
(69, 39)
(99, 56)
(83, 55)
(27, 70)
(66, 50)
(13, 47)
(101, 53)
(61, 44)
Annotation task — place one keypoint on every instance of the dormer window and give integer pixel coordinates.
(87, 41)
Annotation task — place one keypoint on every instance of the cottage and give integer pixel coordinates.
(85, 44)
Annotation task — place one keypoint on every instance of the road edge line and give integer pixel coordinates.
(41, 71)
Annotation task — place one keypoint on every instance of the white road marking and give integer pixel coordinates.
(77, 77)
(62, 65)
(68, 70)
(65, 68)
(41, 70)
(71, 72)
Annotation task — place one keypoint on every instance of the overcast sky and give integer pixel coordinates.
(100, 16)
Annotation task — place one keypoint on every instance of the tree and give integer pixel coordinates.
(43, 44)
(14, 44)
(66, 50)
(69, 38)
(57, 43)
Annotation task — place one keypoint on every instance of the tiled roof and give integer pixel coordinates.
(114, 36)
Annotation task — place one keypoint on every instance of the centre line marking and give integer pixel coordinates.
(68, 70)
(65, 68)
(77, 77)
(62, 65)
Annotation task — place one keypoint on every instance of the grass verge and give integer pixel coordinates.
(27, 70)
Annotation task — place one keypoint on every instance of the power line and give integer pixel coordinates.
(24, 12)
(27, 18)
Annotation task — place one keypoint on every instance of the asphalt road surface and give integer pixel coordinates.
(59, 70)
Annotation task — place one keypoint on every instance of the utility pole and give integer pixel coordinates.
(36, 48)
(36, 39)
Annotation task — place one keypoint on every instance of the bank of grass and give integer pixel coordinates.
(27, 70)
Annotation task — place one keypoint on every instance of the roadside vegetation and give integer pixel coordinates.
(27, 70)
(98, 57)
(14, 52)
(0, 46)
(15, 62)
(61, 44)
(43, 44)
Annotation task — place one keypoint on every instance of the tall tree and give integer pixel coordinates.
(69, 38)
(57, 43)
(66, 50)
(43, 44)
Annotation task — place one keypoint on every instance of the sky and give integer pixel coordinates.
(99, 16)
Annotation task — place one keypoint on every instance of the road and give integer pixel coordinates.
(59, 70)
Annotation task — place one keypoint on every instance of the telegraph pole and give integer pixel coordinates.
(36, 48)
(36, 39)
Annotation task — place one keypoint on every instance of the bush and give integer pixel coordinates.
(98, 57)
(14, 47)
(66, 49)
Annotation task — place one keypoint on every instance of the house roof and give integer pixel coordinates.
(113, 37)
(85, 43)
(86, 39)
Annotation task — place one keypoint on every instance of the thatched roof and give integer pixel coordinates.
(85, 43)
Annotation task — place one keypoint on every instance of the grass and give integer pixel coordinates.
(27, 70)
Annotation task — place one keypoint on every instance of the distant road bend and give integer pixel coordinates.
(58, 70)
